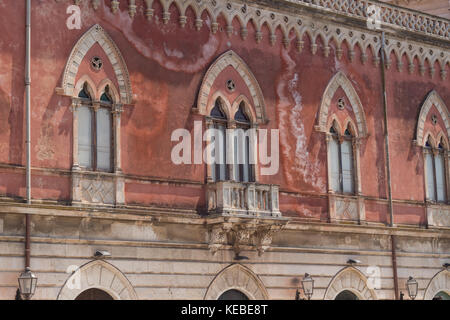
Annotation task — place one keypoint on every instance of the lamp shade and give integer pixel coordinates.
(308, 285)
(412, 287)
(27, 283)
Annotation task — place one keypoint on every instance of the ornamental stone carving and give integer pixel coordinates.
(243, 234)
(292, 17)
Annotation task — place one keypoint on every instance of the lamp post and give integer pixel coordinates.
(412, 287)
(308, 285)
(27, 283)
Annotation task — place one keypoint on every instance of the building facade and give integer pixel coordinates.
(124, 202)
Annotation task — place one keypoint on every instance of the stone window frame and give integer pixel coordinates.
(230, 111)
(97, 187)
(344, 207)
(95, 103)
(340, 136)
(434, 150)
(255, 110)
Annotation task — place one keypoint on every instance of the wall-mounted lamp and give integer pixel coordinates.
(100, 254)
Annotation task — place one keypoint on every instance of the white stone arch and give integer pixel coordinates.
(101, 275)
(97, 34)
(440, 282)
(340, 80)
(433, 98)
(230, 58)
(237, 277)
(350, 279)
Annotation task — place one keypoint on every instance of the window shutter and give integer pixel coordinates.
(440, 177)
(85, 136)
(334, 166)
(347, 166)
(103, 139)
(430, 176)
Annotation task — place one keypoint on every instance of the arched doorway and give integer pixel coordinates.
(350, 280)
(439, 286)
(346, 295)
(94, 294)
(442, 295)
(233, 294)
(238, 278)
(100, 275)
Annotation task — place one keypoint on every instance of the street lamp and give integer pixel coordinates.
(27, 283)
(412, 287)
(308, 285)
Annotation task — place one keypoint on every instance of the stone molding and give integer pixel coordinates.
(243, 234)
(237, 277)
(230, 58)
(101, 275)
(339, 80)
(440, 282)
(353, 280)
(96, 34)
(433, 99)
(289, 18)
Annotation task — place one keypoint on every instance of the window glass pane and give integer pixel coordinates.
(85, 136)
(347, 166)
(103, 139)
(246, 165)
(334, 158)
(236, 162)
(220, 153)
(430, 176)
(440, 177)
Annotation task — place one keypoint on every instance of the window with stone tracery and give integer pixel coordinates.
(435, 172)
(95, 131)
(341, 158)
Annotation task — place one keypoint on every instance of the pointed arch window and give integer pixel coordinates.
(436, 179)
(95, 131)
(341, 158)
(243, 147)
(220, 169)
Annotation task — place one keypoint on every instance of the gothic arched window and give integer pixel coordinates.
(94, 131)
(341, 157)
(219, 172)
(243, 166)
(435, 171)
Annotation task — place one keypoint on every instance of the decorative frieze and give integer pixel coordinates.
(330, 32)
(346, 208)
(247, 199)
(96, 188)
(243, 233)
(438, 215)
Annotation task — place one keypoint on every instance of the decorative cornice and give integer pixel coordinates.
(334, 21)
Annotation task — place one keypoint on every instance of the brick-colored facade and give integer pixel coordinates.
(166, 62)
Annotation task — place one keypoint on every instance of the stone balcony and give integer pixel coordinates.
(438, 215)
(244, 199)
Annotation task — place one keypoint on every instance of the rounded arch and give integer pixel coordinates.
(230, 58)
(97, 34)
(350, 279)
(240, 278)
(440, 282)
(101, 275)
(341, 81)
(433, 99)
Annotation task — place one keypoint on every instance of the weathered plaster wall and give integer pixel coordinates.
(166, 65)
